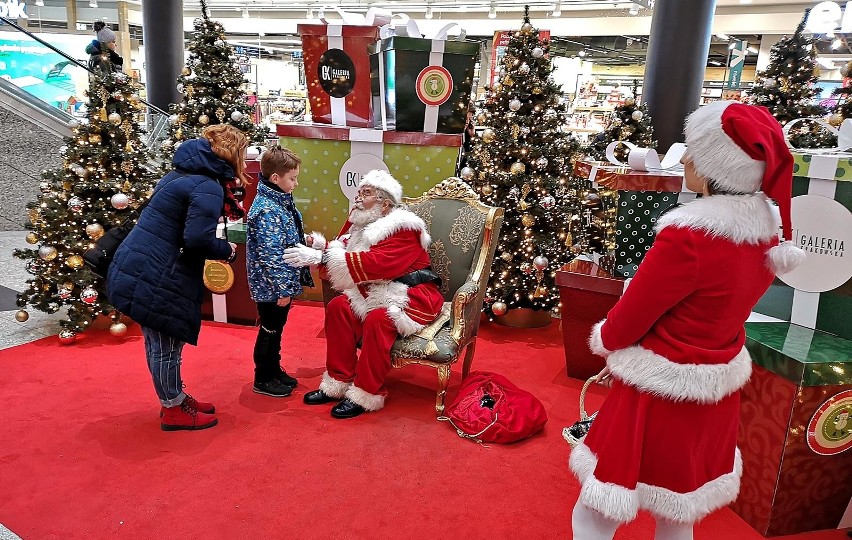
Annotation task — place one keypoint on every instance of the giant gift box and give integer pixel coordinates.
(818, 294)
(422, 84)
(337, 68)
(640, 199)
(795, 430)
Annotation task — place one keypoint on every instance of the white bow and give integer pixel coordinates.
(844, 135)
(647, 159)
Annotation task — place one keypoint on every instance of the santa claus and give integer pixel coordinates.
(665, 438)
(380, 264)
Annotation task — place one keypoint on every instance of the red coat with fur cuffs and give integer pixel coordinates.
(665, 438)
(363, 263)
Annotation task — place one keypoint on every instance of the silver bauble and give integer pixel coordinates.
(637, 116)
(498, 308)
(524, 69)
(538, 52)
(114, 118)
(47, 253)
(541, 162)
(118, 329)
(547, 202)
(515, 104)
(119, 201)
(89, 295)
(173, 119)
(204, 119)
(75, 204)
(236, 116)
(466, 174)
(540, 262)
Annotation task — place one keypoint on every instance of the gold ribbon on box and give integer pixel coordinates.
(647, 159)
(218, 276)
(844, 136)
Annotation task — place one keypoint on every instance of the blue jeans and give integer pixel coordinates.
(164, 359)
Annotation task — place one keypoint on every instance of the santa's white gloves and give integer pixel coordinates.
(317, 240)
(301, 255)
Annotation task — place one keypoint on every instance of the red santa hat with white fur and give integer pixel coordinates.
(742, 149)
(383, 180)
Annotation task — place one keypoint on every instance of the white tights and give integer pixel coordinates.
(588, 524)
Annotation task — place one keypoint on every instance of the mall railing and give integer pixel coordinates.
(56, 83)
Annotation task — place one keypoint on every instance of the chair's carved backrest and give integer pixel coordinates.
(464, 234)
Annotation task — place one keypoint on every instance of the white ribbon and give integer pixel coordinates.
(374, 17)
(647, 159)
(409, 28)
(844, 135)
(392, 24)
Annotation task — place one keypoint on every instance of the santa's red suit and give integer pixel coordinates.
(374, 310)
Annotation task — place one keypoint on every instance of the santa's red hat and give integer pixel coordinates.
(742, 149)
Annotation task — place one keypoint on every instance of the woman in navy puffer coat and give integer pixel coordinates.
(156, 277)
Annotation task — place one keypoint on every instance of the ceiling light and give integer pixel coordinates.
(245, 13)
(492, 13)
(93, 3)
(557, 10)
(39, 3)
(723, 37)
(836, 44)
(582, 53)
(428, 12)
(745, 1)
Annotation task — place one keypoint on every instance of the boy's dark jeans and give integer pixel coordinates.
(267, 348)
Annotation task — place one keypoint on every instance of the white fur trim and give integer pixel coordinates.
(370, 402)
(332, 387)
(621, 504)
(596, 342)
(336, 244)
(702, 383)
(338, 270)
(742, 219)
(396, 221)
(383, 180)
(785, 257)
(716, 156)
(390, 295)
(405, 325)
(319, 242)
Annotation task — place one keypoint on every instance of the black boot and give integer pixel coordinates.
(273, 387)
(318, 397)
(347, 409)
(287, 379)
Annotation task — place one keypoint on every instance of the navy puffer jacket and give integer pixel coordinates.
(156, 275)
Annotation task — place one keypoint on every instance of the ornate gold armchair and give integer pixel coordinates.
(464, 236)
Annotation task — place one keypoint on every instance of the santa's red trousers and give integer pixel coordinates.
(343, 331)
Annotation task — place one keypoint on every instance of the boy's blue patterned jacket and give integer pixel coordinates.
(271, 228)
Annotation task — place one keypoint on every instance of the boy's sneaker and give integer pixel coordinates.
(185, 417)
(287, 380)
(274, 388)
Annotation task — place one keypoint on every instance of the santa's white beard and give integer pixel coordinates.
(362, 217)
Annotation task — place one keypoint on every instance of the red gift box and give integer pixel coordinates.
(337, 69)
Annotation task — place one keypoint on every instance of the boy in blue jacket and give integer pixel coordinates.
(273, 225)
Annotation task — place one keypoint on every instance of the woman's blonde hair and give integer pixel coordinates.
(229, 143)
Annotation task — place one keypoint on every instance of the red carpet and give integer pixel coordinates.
(82, 455)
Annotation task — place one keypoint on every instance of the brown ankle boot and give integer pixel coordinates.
(186, 417)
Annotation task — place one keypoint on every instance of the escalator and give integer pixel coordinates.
(32, 109)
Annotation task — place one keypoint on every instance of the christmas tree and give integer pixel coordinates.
(786, 88)
(211, 87)
(522, 162)
(103, 178)
(843, 110)
(629, 122)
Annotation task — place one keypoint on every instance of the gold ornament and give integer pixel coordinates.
(32, 238)
(526, 28)
(114, 118)
(488, 136)
(481, 118)
(22, 315)
(486, 190)
(102, 114)
(95, 138)
(516, 131)
(127, 167)
(536, 90)
(67, 185)
(540, 292)
(204, 119)
(186, 71)
(189, 90)
(179, 134)
(220, 114)
(75, 262)
(835, 119)
(630, 102)
(517, 168)
(94, 230)
(497, 88)
(528, 220)
(118, 329)
(569, 239)
(35, 218)
(508, 81)
(524, 205)
(506, 256)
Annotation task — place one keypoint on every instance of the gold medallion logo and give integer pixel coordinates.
(434, 85)
(830, 428)
(218, 276)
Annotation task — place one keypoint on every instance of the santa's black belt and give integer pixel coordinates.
(419, 277)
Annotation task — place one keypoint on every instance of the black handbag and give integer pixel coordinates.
(99, 256)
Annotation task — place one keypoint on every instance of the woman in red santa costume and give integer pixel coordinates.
(665, 438)
(380, 264)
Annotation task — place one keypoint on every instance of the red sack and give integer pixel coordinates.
(490, 408)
